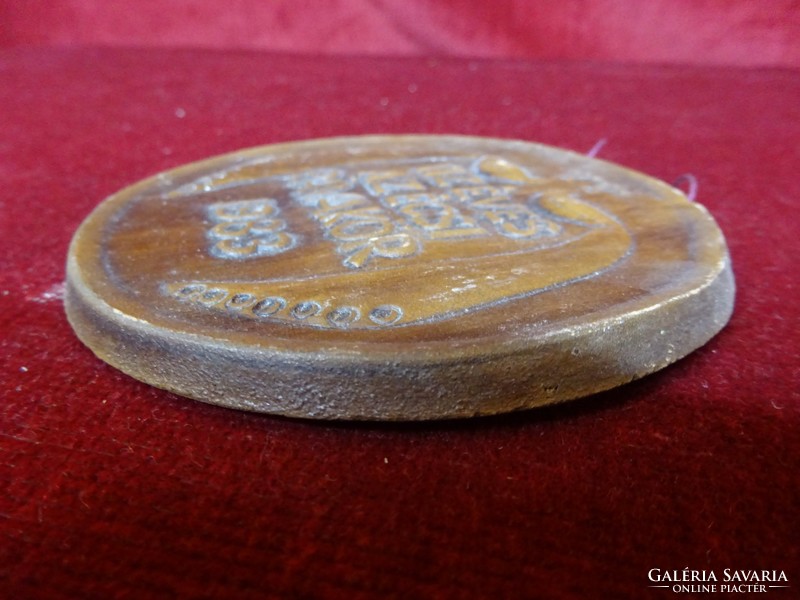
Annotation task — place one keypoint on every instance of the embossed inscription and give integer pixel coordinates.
(248, 229)
(252, 306)
(392, 213)
(361, 229)
(439, 235)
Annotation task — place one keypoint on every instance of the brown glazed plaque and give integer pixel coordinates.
(396, 278)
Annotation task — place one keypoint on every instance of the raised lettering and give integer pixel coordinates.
(247, 229)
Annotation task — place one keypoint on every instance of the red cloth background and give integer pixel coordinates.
(113, 489)
(730, 32)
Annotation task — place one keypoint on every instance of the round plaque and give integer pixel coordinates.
(396, 277)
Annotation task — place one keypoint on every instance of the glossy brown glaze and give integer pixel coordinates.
(396, 277)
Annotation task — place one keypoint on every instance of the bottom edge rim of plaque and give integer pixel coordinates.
(397, 392)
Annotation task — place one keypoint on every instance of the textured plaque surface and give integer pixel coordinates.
(396, 277)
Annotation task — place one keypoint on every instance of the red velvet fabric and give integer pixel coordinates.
(114, 489)
(723, 32)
